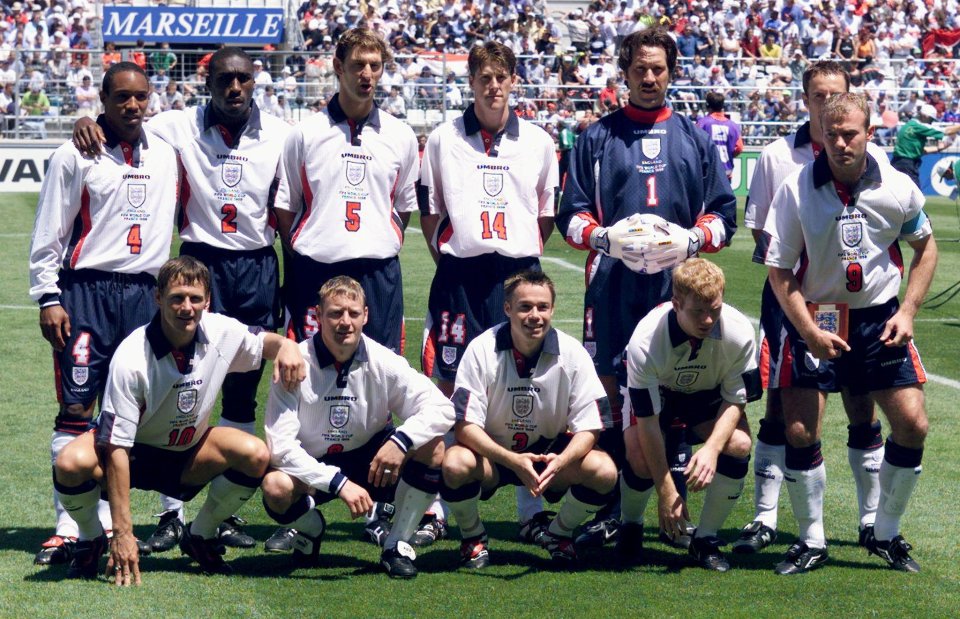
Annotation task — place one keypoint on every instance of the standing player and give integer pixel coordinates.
(347, 188)
(488, 217)
(103, 230)
(346, 192)
(723, 131)
(153, 432)
(334, 436)
(229, 151)
(821, 80)
(695, 359)
(529, 409)
(854, 213)
(911, 142)
(640, 159)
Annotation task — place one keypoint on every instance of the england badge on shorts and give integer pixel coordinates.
(852, 233)
(492, 183)
(650, 147)
(231, 173)
(186, 400)
(522, 405)
(356, 172)
(81, 376)
(449, 355)
(339, 415)
(136, 194)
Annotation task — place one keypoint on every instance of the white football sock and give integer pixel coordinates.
(410, 504)
(633, 502)
(66, 525)
(718, 502)
(896, 486)
(865, 466)
(806, 489)
(528, 505)
(168, 503)
(83, 507)
(439, 508)
(224, 498)
(310, 523)
(768, 467)
(467, 515)
(572, 512)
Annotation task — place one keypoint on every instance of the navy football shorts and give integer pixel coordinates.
(772, 337)
(243, 284)
(104, 308)
(154, 468)
(506, 476)
(355, 466)
(869, 366)
(466, 299)
(381, 283)
(615, 301)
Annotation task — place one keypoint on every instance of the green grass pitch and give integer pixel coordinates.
(350, 582)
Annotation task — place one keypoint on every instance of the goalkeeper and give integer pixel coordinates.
(642, 159)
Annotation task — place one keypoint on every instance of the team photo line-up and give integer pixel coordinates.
(504, 398)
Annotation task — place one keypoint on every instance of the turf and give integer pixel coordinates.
(520, 582)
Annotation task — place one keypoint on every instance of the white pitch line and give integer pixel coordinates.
(14, 235)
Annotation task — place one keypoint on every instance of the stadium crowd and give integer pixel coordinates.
(898, 52)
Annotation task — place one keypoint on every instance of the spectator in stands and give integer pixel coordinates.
(163, 59)
(395, 103)
(428, 94)
(159, 80)
(8, 107)
(452, 94)
(172, 98)
(110, 55)
(609, 98)
(267, 101)
(193, 85)
(750, 40)
(261, 79)
(153, 104)
(138, 56)
(770, 50)
(35, 106)
(87, 98)
(79, 37)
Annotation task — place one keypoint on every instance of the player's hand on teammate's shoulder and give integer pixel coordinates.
(356, 498)
(55, 326)
(88, 137)
(289, 366)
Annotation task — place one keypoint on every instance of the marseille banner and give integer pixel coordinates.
(235, 26)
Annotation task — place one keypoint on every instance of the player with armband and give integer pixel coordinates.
(847, 214)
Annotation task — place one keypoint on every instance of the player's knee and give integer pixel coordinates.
(254, 456)
(459, 464)
(76, 463)
(601, 472)
(431, 454)
(277, 488)
(800, 435)
(739, 445)
(637, 463)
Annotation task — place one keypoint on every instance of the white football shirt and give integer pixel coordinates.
(851, 253)
(113, 212)
(150, 401)
(227, 182)
(339, 407)
(518, 408)
(346, 183)
(661, 354)
(489, 202)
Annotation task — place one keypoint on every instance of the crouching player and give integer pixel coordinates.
(334, 436)
(521, 386)
(153, 431)
(692, 359)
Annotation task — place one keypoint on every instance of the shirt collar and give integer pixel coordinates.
(679, 337)
(112, 139)
(325, 358)
(471, 124)
(162, 347)
(823, 175)
(504, 340)
(338, 115)
(210, 120)
(803, 136)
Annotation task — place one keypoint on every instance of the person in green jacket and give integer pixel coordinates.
(912, 141)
